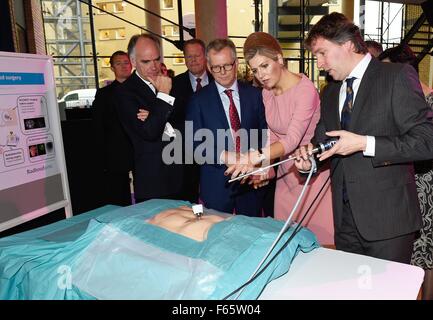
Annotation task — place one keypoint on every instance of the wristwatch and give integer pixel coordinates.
(260, 156)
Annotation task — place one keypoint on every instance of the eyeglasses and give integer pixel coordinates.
(226, 67)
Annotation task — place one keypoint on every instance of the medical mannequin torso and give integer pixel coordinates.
(183, 221)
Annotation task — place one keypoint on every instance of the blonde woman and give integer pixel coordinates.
(292, 108)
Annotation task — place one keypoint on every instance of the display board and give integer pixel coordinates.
(33, 177)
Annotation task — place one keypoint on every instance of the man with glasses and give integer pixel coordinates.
(184, 85)
(226, 115)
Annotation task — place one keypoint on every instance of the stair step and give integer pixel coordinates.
(297, 11)
(293, 27)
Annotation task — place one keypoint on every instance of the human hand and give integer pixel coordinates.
(239, 164)
(142, 114)
(302, 154)
(348, 143)
(161, 83)
(261, 180)
(230, 158)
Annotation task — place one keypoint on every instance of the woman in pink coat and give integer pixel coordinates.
(292, 108)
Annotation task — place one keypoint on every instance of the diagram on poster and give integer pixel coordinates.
(33, 177)
(25, 138)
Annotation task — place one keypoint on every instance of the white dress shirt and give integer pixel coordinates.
(193, 79)
(358, 73)
(226, 101)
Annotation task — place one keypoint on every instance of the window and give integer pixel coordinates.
(170, 31)
(175, 31)
(178, 59)
(72, 97)
(102, 6)
(167, 4)
(118, 7)
(166, 30)
(105, 63)
(113, 7)
(112, 34)
(120, 33)
(104, 34)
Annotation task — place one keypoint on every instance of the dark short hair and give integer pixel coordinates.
(375, 45)
(220, 44)
(400, 54)
(133, 42)
(117, 53)
(194, 41)
(337, 28)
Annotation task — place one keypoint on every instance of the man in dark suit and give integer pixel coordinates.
(184, 85)
(224, 116)
(197, 76)
(378, 112)
(113, 146)
(154, 174)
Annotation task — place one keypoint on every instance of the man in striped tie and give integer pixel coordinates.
(380, 117)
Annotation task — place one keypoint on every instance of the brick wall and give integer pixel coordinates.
(34, 26)
(14, 30)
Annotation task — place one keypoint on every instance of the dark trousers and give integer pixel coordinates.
(244, 201)
(347, 238)
(190, 183)
(116, 188)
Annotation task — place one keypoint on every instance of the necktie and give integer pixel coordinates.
(235, 122)
(346, 112)
(198, 87)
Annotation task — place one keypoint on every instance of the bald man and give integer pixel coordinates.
(148, 89)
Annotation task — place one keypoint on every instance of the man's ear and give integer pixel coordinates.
(349, 46)
(132, 60)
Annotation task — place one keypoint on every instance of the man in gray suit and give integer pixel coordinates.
(378, 113)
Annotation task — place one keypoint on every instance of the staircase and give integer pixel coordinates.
(418, 33)
(293, 22)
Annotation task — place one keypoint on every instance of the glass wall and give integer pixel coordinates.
(69, 41)
(81, 35)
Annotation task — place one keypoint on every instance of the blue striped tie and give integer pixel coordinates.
(346, 113)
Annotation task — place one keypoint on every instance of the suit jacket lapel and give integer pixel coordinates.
(144, 88)
(363, 92)
(187, 81)
(333, 101)
(218, 106)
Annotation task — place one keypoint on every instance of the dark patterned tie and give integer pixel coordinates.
(346, 113)
(235, 122)
(198, 87)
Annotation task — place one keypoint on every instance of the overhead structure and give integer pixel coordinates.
(69, 41)
(290, 22)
